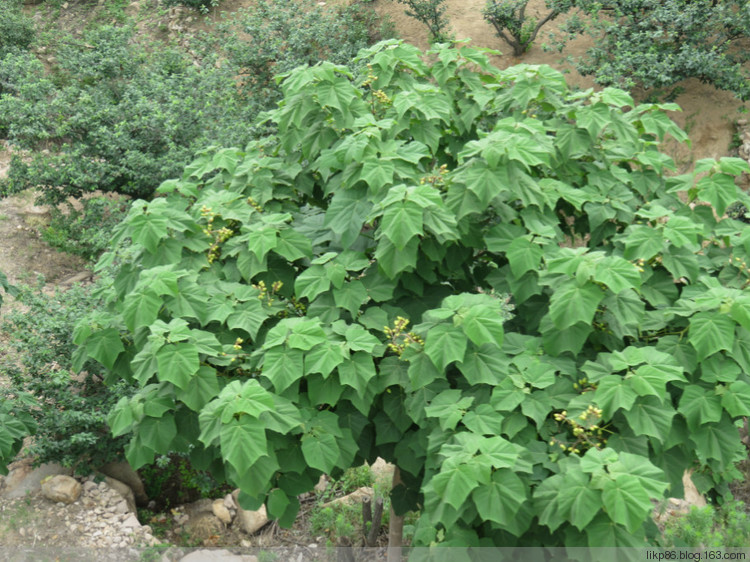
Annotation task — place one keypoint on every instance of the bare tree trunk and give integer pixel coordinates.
(396, 526)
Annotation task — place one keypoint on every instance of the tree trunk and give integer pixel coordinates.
(396, 526)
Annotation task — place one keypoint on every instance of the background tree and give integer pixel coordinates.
(655, 44)
(513, 26)
(337, 291)
(432, 14)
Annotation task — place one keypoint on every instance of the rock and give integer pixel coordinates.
(121, 507)
(205, 555)
(229, 502)
(22, 478)
(123, 472)
(355, 497)
(322, 484)
(692, 495)
(123, 490)
(131, 522)
(203, 526)
(382, 472)
(221, 512)
(251, 521)
(61, 488)
(203, 505)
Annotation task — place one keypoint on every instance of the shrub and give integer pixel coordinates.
(709, 527)
(86, 232)
(337, 291)
(120, 116)
(66, 410)
(513, 26)
(116, 117)
(16, 30)
(280, 35)
(432, 14)
(656, 43)
(203, 6)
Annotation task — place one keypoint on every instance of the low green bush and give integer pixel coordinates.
(85, 232)
(66, 410)
(275, 36)
(116, 115)
(16, 29)
(710, 527)
(203, 6)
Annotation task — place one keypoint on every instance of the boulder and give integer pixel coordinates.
(251, 521)
(354, 498)
(123, 472)
(221, 512)
(61, 488)
(124, 490)
(22, 478)
(206, 555)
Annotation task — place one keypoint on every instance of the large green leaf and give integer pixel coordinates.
(157, 433)
(699, 406)
(455, 485)
(484, 365)
(718, 441)
(243, 441)
(357, 372)
(445, 344)
(311, 282)
(711, 332)
(105, 346)
(141, 308)
(719, 190)
(650, 416)
(500, 500)
(618, 274)
(483, 326)
(626, 500)
(320, 450)
(283, 367)
(401, 222)
(578, 501)
(614, 393)
(572, 303)
(177, 362)
(523, 256)
(736, 399)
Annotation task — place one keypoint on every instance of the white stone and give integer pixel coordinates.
(355, 497)
(61, 488)
(131, 522)
(251, 521)
(221, 512)
(205, 555)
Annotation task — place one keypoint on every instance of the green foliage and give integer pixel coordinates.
(66, 410)
(336, 291)
(122, 116)
(173, 481)
(86, 232)
(203, 6)
(16, 30)
(655, 44)
(122, 119)
(284, 34)
(709, 527)
(511, 24)
(432, 14)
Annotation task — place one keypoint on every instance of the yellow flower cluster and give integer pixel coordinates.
(586, 430)
(400, 339)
